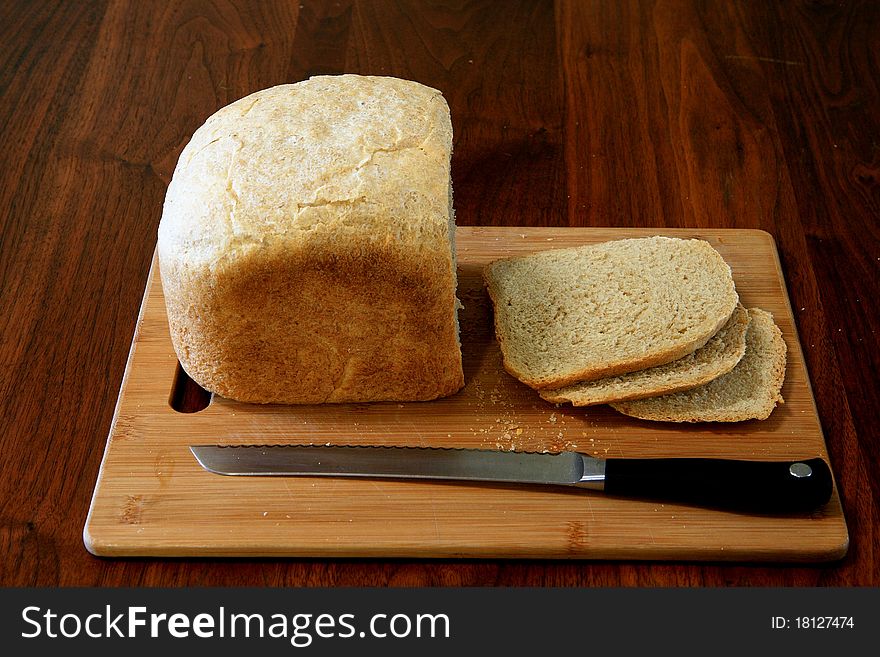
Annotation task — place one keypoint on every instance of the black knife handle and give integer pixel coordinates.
(756, 486)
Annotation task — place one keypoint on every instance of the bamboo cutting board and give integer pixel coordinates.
(152, 498)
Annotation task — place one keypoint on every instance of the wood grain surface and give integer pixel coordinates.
(153, 499)
(573, 113)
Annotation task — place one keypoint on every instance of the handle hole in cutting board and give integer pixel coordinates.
(187, 396)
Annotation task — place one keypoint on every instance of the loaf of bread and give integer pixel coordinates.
(306, 245)
(577, 314)
(718, 356)
(750, 391)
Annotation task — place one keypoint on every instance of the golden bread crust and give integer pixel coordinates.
(305, 246)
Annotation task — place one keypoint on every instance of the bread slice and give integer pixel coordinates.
(751, 390)
(718, 356)
(578, 314)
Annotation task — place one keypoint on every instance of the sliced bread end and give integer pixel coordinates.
(751, 390)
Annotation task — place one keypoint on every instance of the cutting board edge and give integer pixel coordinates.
(120, 402)
(117, 549)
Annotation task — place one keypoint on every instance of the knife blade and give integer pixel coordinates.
(755, 486)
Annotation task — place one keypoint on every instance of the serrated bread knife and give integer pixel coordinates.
(756, 486)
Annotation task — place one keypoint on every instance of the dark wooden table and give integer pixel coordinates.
(574, 113)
